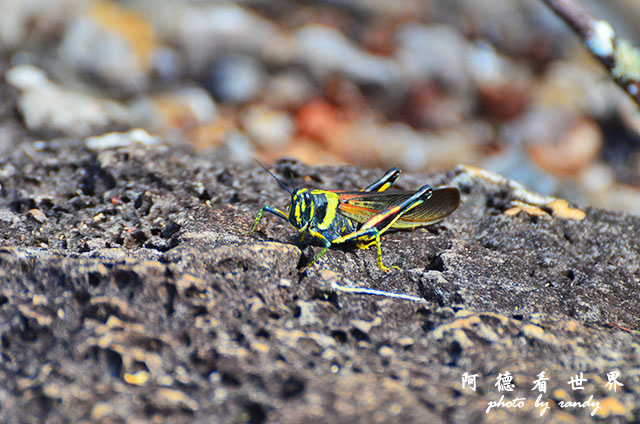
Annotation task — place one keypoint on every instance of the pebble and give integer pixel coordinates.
(9, 217)
(184, 107)
(198, 101)
(45, 105)
(319, 120)
(486, 66)
(610, 407)
(204, 31)
(165, 397)
(114, 140)
(432, 52)
(236, 79)
(308, 313)
(325, 50)
(514, 164)
(268, 128)
(139, 378)
(38, 215)
(167, 64)
(8, 135)
(236, 147)
(29, 20)
(104, 410)
(395, 9)
(111, 42)
(579, 89)
(598, 178)
(429, 106)
(619, 197)
(386, 351)
(412, 150)
(288, 89)
(570, 151)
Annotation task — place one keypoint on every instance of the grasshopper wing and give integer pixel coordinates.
(360, 206)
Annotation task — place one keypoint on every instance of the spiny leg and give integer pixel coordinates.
(381, 222)
(326, 245)
(267, 208)
(385, 181)
(366, 233)
(303, 233)
(385, 219)
(367, 243)
(379, 252)
(388, 217)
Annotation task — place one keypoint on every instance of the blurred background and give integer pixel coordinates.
(421, 85)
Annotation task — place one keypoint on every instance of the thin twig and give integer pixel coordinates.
(374, 292)
(620, 58)
(614, 325)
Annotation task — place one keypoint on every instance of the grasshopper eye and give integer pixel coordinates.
(308, 206)
(299, 208)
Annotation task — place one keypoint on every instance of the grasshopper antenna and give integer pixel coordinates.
(293, 183)
(276, 178)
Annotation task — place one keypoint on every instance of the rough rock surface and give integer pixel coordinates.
(130, 291)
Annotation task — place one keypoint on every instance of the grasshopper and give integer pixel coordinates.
(340, 216)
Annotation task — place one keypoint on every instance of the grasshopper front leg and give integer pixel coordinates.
(326, 245)
(267, 208)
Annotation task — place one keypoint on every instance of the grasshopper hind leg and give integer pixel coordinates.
(379, 223)
(385, 181)
(377, 241)
(365, 244)
(367, 234)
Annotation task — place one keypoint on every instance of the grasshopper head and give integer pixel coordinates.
(302, 208)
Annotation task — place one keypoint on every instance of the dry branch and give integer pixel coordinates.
(620, 58)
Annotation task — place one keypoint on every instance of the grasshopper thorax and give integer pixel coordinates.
(302, 208)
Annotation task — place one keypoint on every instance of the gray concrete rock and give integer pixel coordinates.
(139, 296)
